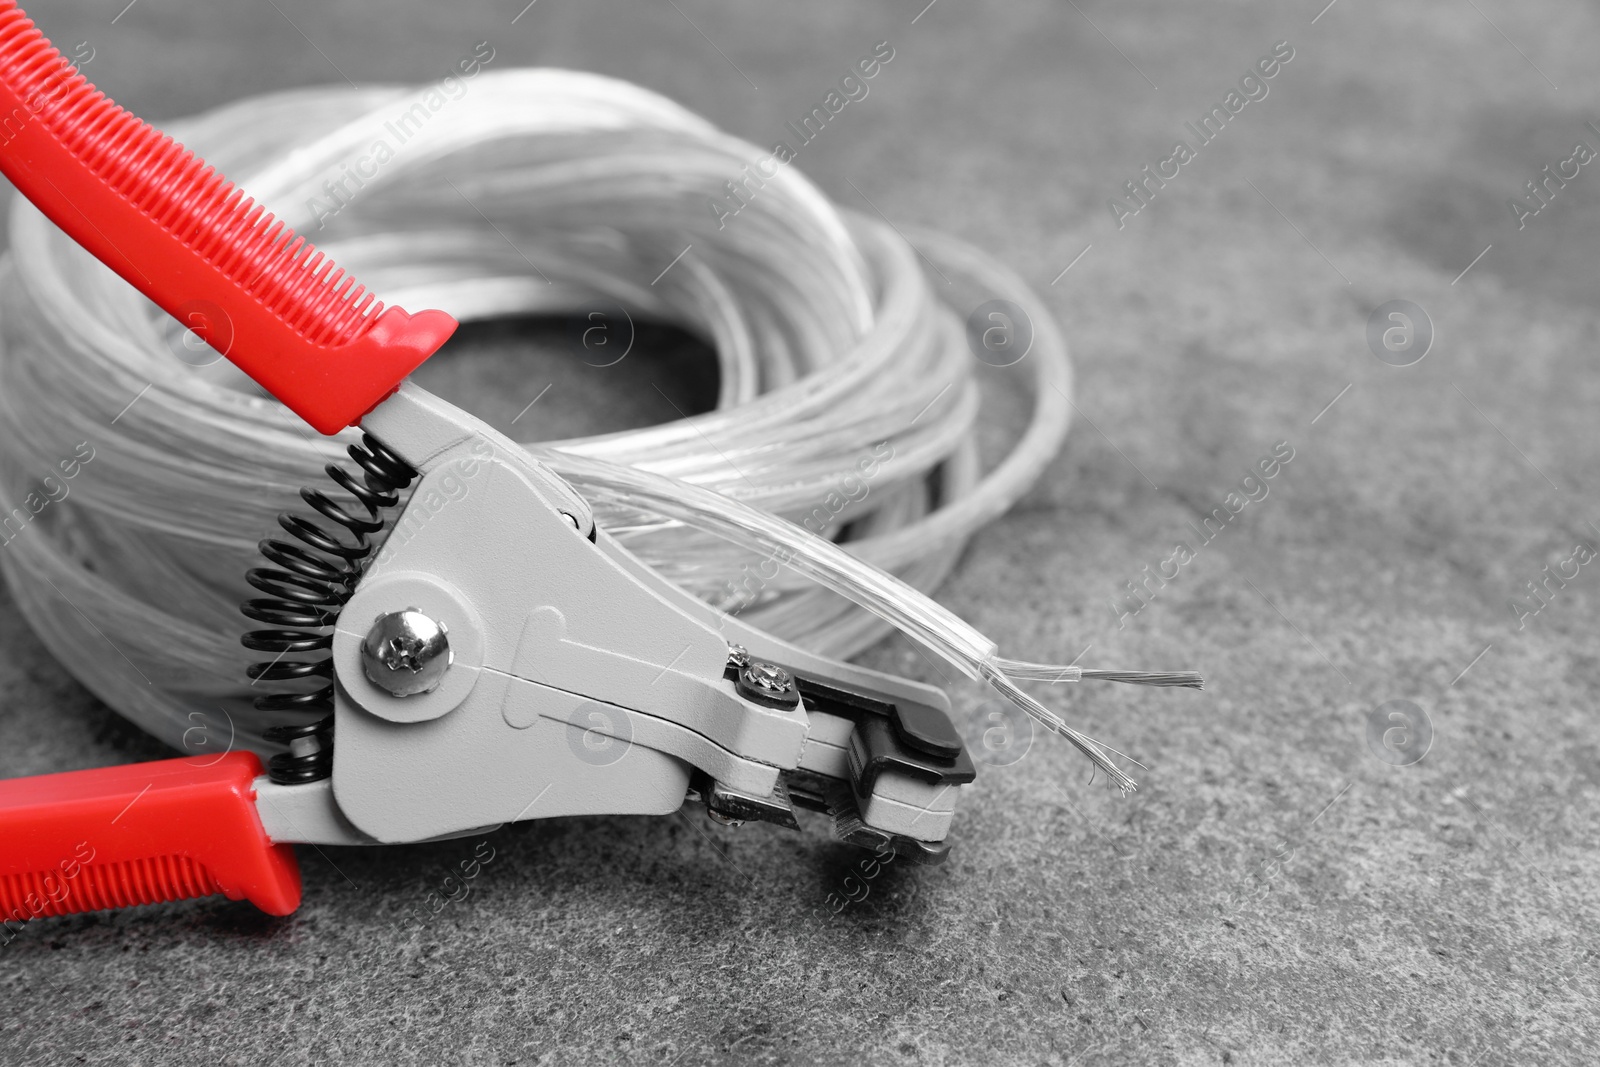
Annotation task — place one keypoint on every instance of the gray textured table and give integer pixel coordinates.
(1274, 892)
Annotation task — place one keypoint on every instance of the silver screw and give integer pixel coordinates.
(767, 677)
(406, 653)
(738, 656)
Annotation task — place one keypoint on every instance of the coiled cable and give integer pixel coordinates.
(524, 192)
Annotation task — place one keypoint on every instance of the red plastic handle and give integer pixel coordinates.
(138, 834)
(189, 240)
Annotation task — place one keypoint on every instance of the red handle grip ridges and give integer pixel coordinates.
(96, 887)
(196, 245)
(139, 833)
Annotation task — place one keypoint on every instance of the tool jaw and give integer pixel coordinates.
(913, 797)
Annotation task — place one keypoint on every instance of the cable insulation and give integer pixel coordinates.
(847, 402)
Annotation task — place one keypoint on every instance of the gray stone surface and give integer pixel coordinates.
(1275, 892)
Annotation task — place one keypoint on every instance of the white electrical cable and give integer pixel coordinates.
(847, 397)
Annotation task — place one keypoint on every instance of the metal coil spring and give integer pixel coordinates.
(306, 590)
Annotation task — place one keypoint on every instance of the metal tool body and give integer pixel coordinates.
(583, 683)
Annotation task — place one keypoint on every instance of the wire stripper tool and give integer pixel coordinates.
(482, 657)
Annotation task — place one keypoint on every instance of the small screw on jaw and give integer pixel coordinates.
(768, 678)
(763, 683)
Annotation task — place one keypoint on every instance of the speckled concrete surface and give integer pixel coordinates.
(1274, 893)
